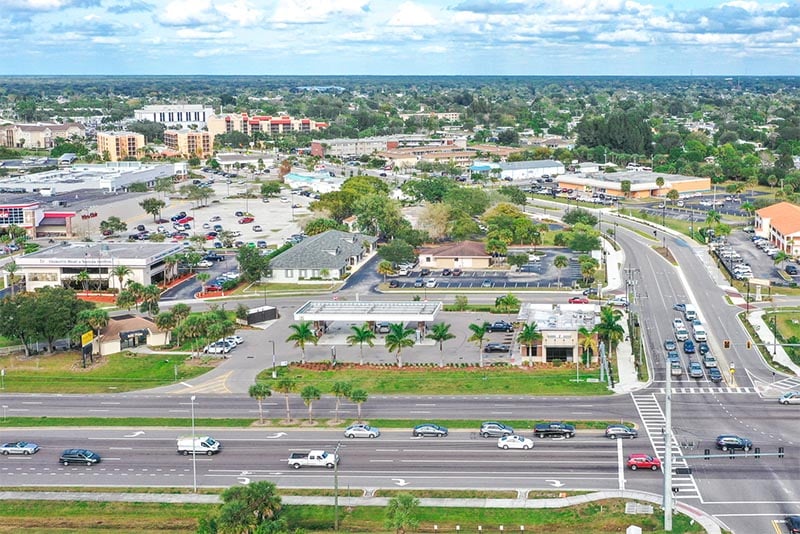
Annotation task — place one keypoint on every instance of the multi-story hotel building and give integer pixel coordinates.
(119, 146)
(189, 143)
(242, 122)
(39, 135)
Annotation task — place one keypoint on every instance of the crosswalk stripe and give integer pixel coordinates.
(707, 390)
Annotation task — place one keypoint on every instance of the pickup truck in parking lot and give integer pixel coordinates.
(554, 430)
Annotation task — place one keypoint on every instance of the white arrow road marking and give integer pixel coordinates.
(243, 480)
(137, 433)
(400, 482)
(555, 483)
(277, 435)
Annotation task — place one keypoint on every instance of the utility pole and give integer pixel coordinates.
(668, 452)
(336, 487)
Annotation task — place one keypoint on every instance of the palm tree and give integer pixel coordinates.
(440, 332)
(587, 341)
(398, 338)
(171, 267)
(749, 208)
(150, 296)
(259, 392)
(202, 278)
(528, 336)
(609, 327)
(309, 395)
(361, 335)
(340, 390)
(11, 268)
(478, 336)
(83, 277)
(121, 272)
(560, 262)
(359, 397)
(507, 303)
(781, 257)
(713, 217)
(181, 311)
(286, 385)
(385, 268)
(166, 322)
(302, 334)
(126, 299)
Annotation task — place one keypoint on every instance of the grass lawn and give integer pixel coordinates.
(599, 518)
(61, 372)
(447, 381)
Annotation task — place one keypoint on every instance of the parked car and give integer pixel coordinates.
(791, 269)
(643, 461)
(496, 347)
(257, 228)
(214, 256)
(246, 220)
(446, 272)
(457, 272)
(236, 340)
(19, 447)
(487, 283)
(514, 441)
(500, 326)
(79, 456)
(430, 429)
(383, 328)
(361, 431)
(425, 272)
(204, 264)
(419, 282)
(621, 431)
(394, 283)
(729, 442)
(578, 300)
(430, 282)
(493, 429)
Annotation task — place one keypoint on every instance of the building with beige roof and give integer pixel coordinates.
(459, 255)
(780, 224)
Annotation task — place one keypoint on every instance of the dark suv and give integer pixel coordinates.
(728, 442)
(493, 429)
(500, 326)
(79, 456)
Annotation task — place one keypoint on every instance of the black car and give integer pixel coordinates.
(621, 431)
(729, 442)
(79, 456)
(590, 291)
(702, 348)
(793, 523)
(791, 269)
(394, 283)
(500, 326)
(446, 272)
(493, 429)
(430, 429)
(213, 256)
(715, 375)
(554, 430)
(425, 272)
(496, 347)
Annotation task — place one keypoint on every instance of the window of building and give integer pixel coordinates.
(289, 273)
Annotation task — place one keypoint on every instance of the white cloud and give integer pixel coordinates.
(36, 5)
(106, 40)
(623, 36)
(212, 52)
(241, 13)
(412, 14)
(185, 12)
(191, 33)
(316, 11)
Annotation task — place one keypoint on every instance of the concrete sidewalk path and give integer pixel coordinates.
(706, 521)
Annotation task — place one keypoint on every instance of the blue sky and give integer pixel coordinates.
(396, 37)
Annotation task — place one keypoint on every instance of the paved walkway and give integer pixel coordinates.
(626, 379)
(706, 521)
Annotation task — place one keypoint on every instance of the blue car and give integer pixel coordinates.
(688, 346)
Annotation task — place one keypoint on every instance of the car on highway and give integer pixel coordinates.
(715, 375)
(675, 369)
(669, 344)
(792, 523)
(677, 324)
(688, 346)
(579, 300)
(500, 326)
(709, 361)
(429, 429)
(790, 397)
(680, 307)
(361, 431)
(621, 431)
(643, 461)
(590, 291)
(727, 442)
(703, 348)
(79, 456)
(496, 347)
(493, 429)
(696, 370)
(19, 447)
(514, 441)
(673, 356)
(618, 301)
(554, 429)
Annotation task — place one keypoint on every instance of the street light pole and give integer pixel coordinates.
(273, 358)
(336, 487)
(194, 451)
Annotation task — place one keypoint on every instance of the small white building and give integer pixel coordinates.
(175, 114)
(528, 170)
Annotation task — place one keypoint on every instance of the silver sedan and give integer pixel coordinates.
(19, 447)
(361, 431)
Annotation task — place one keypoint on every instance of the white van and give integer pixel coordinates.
(690, 313)
(700, 333)
(198, 445)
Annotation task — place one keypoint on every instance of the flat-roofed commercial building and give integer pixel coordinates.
(189, 143)
(36, 220)
(60, 265)
(642, 184)
(242, 122)
(119, 146)
(175, 114)
(559, 325)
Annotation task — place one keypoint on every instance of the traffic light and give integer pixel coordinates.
(749, 344)
(726, 343)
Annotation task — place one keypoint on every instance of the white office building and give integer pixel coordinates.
(175, 114)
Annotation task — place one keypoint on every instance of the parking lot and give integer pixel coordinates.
(761, 264)
(543, 275)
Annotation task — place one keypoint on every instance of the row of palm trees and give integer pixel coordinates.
(310, 393)
(400, 337)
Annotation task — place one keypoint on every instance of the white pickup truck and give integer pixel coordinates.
(313, 459)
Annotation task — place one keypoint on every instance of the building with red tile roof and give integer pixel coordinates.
(780, 224)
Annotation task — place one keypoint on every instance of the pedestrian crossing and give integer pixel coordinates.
(706, 390)
(654, 423)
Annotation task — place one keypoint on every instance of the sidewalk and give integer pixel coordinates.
(763, 331)
(626, 380)
(706, 521)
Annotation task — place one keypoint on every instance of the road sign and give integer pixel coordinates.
(87, 338)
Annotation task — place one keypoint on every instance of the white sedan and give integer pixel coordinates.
(515, 442)
(19, 447)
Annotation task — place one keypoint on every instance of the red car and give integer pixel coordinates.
(246, 220)
(185, 220)
(578, 300)
(643, 461)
